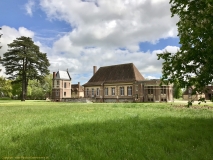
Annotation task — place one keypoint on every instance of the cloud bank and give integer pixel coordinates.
(104, 32)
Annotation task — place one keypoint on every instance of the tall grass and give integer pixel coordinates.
(48, 130)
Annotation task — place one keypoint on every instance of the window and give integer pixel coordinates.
(106, 91)
(129, 91)
(64, 93)
(92, 91)
(97, 91)
(57, 82)
(122, 91)
(65, 85)
(150, 89)
(163, 89)
(163, 99)
(150, 99)
(113, 91)
(57, 93)
(87, 91)
(136, 87)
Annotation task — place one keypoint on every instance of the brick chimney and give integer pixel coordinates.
(53, 79)
(94, 69)
(53, 75)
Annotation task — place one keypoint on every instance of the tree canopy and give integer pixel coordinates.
(5, 87)
(23, 62)
(0, 37)
(192, 64)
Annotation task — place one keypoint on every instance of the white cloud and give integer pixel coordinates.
(102, 27)
(105, 32)
(29, 7)
(106, 23)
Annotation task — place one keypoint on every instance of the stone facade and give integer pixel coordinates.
(61, 85)
(129, 86)
(63, 90)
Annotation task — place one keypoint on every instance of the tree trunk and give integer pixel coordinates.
(23, 87)
(23, 81)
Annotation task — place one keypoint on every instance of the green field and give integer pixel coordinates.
(130, 131)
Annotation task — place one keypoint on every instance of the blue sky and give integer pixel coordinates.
(76, 35)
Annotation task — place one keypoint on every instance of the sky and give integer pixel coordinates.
(80, 34)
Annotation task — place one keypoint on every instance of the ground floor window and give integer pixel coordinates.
(106, 91)
(129, 90)
(150, 99)
(87, 91)
(97, 91)
(163, 89)
(92, 91)
(64, 93)
(150, 89)
(122, 91)
(163, 99)
(113, 91)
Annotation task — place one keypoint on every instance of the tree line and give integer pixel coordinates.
(36, 89)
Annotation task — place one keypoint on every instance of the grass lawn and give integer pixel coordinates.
(131, 131)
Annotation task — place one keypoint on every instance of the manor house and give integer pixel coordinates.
(116, 83)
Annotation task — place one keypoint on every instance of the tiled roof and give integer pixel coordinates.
(116, 73)
(63, 75)
(75, 87)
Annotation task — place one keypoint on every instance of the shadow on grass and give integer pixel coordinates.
(132, 138)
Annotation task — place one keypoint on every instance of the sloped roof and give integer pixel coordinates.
(74, 87)
(116, 73)
(63, 75)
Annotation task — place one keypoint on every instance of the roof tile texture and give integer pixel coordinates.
(116, 73)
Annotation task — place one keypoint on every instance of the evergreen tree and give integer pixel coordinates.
(23, 59)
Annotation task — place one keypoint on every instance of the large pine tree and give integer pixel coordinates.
(23, 59)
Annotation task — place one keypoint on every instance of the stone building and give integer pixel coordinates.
(63, 90)
(124, 83)
(77, 90)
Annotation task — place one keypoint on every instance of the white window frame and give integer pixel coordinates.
(129, 91)
(92, 91)
(106, 91)
(150, 90)
(87, 91)
(122, 91)
(163, 89)
(113, 91)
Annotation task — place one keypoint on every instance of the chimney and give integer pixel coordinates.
(53, 75)
(94, 69)
(78, 84)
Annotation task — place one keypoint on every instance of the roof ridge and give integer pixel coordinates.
(116, 65)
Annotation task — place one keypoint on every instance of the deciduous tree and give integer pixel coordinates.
(192, 64)
(5, 87)
(23, 59)
(0, 46)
